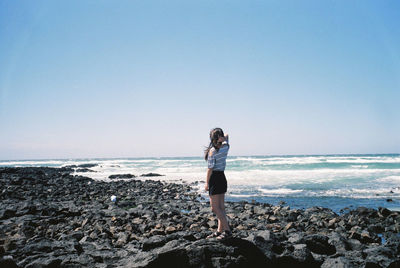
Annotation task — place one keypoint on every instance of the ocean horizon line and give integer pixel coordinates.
(192, 157)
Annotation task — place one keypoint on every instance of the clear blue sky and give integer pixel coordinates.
(151, 78)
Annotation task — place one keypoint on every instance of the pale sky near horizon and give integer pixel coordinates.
(151, 78)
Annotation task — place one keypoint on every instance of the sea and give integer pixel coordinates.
(338, 182)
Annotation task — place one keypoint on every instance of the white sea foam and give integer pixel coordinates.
(276, 160)
(394, 179)
(279, 191)
(362, 160)
(296, 160)
(240, 195)
(32, 163)
(360, 193)
(283, 177)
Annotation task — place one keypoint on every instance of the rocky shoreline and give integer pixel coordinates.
(51, 218)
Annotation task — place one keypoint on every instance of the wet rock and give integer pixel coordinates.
(151, 175)
(121, 176)
(84, 170)
(87, 165)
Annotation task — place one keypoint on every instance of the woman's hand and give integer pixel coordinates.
(222, 139)
(206, 187)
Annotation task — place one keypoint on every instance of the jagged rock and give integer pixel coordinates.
(267, 242)
(154, 242)
(340, 242)
(170, 229)
(170, 255)
(319, 244)
(122, 239)
(303, 255)
(151, 175)
(384, 212)
(121, 176)
(84, 170)
(339, 262)
(45, 262)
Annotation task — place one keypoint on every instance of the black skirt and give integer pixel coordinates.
(217, 183)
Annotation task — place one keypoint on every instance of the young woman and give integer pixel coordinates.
(216, 183)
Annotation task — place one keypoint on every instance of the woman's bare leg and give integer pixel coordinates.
(214, 202)
(218, 207)
(222, 207)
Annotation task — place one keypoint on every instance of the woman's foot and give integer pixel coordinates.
(225, 234)
(215, 234)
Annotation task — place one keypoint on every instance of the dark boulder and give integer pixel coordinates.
(7, 262)
(84, 170)
(303, 255)
(121, 176)
(87, 165)
(233, 252)
(151, 175)
(7, 213)
(266, 241)
(252, 255)
(369, 264)
(175, 257)
(320, 244)
(170, 255)
(340, 242)
(154, 242)
(383, 212)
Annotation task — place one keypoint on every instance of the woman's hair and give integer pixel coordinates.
(215, 134)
